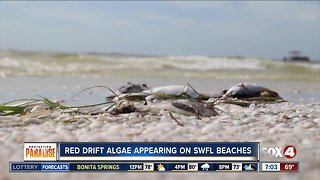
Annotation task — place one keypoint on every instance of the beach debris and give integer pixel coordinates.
(174, 91)
(20, 106)
(195, 108)
(6, 110)
(242, 103)
(43, 113)
(129, 91)
(284, 117)
(251, 90)
(123, 107)
(41, 107)
(182, 107)
(133, 88)
(37, 108)
(176, 120)
(52, 104)
(140, 98)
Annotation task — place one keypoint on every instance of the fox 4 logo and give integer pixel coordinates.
(288, 152)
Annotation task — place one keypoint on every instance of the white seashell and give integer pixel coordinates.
(37, 108)
(308, 124)
(96, 124)
(317, 120)
(237, 122)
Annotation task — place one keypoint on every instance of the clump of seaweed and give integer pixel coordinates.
(24, 106)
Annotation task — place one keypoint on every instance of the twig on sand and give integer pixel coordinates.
(93, 88)
(180, 124)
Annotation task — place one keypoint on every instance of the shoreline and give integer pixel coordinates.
(64, 87)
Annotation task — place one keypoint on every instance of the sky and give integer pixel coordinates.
(212, 28)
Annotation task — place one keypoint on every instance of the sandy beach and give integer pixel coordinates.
(161, 71)
(58, 76)
(295, 122)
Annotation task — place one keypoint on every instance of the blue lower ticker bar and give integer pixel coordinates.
(135, 167)
(55, 167)
(34, 167)
(23, 166)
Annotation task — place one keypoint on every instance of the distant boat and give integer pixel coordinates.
(296, 56)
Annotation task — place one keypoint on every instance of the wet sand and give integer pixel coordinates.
(62, 88)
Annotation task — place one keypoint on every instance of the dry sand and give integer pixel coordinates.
(267, 124)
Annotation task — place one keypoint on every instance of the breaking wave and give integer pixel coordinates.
(14, 63)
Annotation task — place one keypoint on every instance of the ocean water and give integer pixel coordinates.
(60, 75)
(40, 64)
